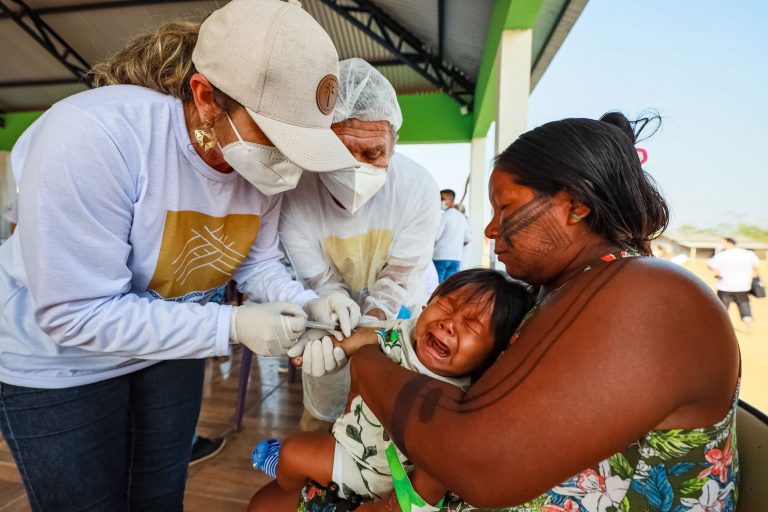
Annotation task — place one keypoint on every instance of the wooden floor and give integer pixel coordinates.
(226, 482)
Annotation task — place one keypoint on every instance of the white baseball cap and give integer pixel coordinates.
(275, 60)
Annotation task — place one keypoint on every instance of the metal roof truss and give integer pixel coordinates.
(31, 22)
(406, 47)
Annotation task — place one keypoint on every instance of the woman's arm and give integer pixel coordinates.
(76, 207)
(583, 381)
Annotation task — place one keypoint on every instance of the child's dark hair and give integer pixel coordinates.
(511, 301)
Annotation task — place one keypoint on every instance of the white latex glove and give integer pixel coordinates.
(336, 307)
(267, 329)
(318, 355)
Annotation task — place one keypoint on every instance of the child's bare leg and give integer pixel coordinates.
(306, 455)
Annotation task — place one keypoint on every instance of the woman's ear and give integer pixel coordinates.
(202, 95)
(578, 211)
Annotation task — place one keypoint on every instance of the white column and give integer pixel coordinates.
(478, 195)
(513, 62)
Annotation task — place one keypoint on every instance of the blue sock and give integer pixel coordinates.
(265, 456)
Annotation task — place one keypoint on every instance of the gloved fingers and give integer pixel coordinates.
(314, 334)
(354, 315)
(345, 323)
(339, 356)
(290, 309)
(306, 359)
(295, 325)
(298, 349)
(338, 336)
(328, 357)
(317, 368)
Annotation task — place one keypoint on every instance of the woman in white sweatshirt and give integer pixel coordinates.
(137, 203)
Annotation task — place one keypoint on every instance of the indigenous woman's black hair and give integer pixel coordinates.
(596, 162)
(510, 299)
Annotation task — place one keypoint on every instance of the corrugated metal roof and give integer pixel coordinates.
(556, 18)
(23, 59)
(349, 40)
(96, 33)
(466, 32)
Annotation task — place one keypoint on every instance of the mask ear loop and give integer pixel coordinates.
(234, 129)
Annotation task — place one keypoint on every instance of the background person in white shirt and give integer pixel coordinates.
(137, 204)
(367, 233)
(735, 268)
(453, 233)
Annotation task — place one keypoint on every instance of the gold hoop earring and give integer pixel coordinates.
(205, 137)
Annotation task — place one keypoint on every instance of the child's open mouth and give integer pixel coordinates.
(436, 346)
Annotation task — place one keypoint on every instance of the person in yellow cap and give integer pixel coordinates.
(138, 201)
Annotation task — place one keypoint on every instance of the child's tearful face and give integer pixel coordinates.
(454, 337)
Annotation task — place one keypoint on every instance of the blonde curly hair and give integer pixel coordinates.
(160, 60)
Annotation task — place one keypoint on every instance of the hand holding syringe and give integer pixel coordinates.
(330, 350)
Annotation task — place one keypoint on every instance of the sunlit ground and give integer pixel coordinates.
(754, 344)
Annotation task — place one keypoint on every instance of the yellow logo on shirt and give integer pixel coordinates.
(359, 258)
(200, 253)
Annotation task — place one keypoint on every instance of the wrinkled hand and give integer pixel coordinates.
(336, 307)
(316, 354)
(267, 329)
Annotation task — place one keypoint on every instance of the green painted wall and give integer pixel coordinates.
(15, 124)
(507, 14)
(432, 118)
(428, 118)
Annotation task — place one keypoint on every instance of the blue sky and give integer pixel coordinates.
(702, 64)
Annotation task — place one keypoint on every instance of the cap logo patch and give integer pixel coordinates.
(327, 91)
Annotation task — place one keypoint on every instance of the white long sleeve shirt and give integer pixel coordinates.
(453, 233)
(124, 233)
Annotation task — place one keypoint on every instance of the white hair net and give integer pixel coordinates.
(365, 94)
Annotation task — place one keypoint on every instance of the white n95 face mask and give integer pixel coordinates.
(265, 167)
(354, 187)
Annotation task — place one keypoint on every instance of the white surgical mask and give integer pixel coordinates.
(265, 167)
(354, 187)
(443, 205)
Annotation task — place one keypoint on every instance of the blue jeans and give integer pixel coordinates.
(114, 446)
(446, 268)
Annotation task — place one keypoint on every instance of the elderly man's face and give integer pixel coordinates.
(370, 142)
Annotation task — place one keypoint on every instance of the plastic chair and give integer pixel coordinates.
(752, 438)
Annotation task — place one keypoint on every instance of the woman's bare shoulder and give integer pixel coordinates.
(666, 283)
